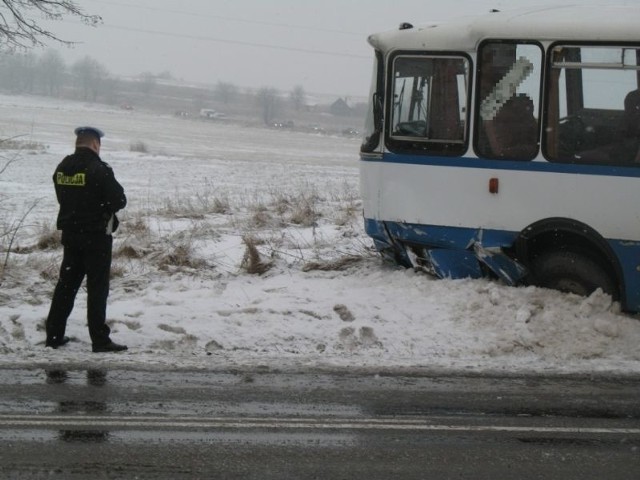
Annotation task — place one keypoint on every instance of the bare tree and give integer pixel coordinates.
(267, 99)
(111, 90)
(298, 97)
(147, 82)
(89, 75)
(165, 75)
(18, 72)
(6, 162)
(9, 228)
(225, 92)
(51, 69)
(19, 30)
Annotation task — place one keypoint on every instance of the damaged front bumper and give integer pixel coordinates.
(448, 252)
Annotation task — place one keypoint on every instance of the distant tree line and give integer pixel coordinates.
(24, 72)
(48, 74)
(269, 101)
(88, 80)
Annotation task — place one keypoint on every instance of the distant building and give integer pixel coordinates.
(311, 103)
(340, 108)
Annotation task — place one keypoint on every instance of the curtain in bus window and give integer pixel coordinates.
(445, 108)
(509, 85)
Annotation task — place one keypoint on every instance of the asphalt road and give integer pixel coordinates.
(315, 425)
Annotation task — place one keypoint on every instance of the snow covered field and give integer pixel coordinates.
(210, 203)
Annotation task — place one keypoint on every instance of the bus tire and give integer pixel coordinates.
(571, 272)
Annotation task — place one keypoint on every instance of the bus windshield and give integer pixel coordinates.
(429, 103)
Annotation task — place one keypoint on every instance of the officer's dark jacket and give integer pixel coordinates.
(88, 193)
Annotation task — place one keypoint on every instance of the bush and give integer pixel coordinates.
(14, 144)
(139, 147)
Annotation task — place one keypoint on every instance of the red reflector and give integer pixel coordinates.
(494, 185)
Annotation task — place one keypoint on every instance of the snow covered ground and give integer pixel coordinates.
(209, 203)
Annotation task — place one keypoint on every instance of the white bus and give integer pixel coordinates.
(507, 145)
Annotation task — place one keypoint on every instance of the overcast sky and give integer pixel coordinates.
(319, 44)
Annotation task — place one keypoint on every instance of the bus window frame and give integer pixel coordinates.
(375, 108)
(415, 145)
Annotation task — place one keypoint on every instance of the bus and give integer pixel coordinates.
(507, 145)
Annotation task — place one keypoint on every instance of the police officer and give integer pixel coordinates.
(89, 196)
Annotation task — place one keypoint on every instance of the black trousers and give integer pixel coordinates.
(85, 254)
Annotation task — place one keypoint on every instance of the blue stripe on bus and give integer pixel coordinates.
(481, 163)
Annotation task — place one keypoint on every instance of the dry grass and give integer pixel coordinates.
(340, 264)
(300, 209)
(137, 227)
(49, 238)
(197, 207)
(167, 237)
(348, 213)
(181, 257)
(130, 252)
(16, 144)
(305, 215)
(261, 219)
(252, 261)
(118, 270)
(182, 208)
(281, 204)
(282, 209)
(221, 206)
(50, 271)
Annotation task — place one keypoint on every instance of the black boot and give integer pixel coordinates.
(108, 347)
(56, 342)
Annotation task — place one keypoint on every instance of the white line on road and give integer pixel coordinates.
(196, 423)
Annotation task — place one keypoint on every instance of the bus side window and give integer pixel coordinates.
(507, 127)
(625, 148)
(593, 105)
(632, 125)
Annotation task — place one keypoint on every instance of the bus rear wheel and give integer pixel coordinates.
(571, 272)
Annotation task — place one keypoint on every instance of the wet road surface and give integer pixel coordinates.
(76, 424)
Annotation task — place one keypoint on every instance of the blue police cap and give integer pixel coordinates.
(89, 130)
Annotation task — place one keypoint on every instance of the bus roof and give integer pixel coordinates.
(565, 23)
